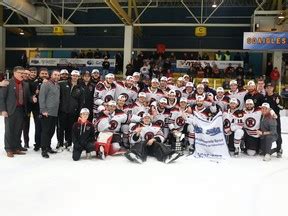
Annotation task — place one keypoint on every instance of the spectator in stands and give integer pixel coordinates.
(185, 56)
(218, 56)
(205, 56)
(166, 66)
(275, 75)
(105, 67)
(118, 62)
(229, 71)
(145, 69)
(246, 58)
(129, 69)
(172, 57)
(155, 71)
(239, 71)
(240, 82)
(269, 68)
(237, 57)
(200, 73)
(89, 54)
(81, 54)
(106, 54)
(215, 71)
(192, 71)
(97, 54)
(208, 70)
(137, 63)
(250, 73)
(227, 56)
(226, 83)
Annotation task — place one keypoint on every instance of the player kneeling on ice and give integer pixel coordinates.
(83, 136)
(147, 140)
(268, 131)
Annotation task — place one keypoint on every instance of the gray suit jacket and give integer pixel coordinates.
(8, 97)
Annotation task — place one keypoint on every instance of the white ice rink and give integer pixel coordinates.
(31, 185)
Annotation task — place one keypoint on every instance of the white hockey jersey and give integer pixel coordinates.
(153, 95)
(178, 90)
(178, 118)
(239, 95)
(252, 121)
(148, 132)
(138, 109)
(233, 120)
(103, 94)
(222, 102)
(129, 93)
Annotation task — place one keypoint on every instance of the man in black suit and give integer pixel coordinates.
(14, 100)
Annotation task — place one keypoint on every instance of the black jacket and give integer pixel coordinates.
(257, 98)
(275, 102)
(88, 94)
(71, 99)
(83, 134)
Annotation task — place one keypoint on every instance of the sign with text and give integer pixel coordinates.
(69, 61)
(265, 40)
(186, 64)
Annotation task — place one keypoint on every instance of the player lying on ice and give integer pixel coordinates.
(147, 140)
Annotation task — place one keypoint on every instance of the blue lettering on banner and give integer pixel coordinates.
(213, 131)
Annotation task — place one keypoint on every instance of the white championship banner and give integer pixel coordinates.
(209, 138)
(186, 64)
(69, 61)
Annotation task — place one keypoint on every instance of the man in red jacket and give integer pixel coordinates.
(275, 75)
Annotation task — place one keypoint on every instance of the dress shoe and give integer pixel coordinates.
(10, 154)
(36, 148)
(45, 154)
(19, 152)
(51, 151)
(26, 145)
(22, 149)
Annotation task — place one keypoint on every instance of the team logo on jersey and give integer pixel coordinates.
(113, 125)
(148, 135)
(125, 95)
(227, 123)
(250, 122)
(180, 121)
(108, 98)
(159, 123)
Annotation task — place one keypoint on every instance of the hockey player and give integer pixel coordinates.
(172, 100)
(83, 136)
(127, 89)
(178, 88)
(160, 115)
(104, 92)
(233, 126)
(188, 90)
(220, 99)
(180, 123)
(252, 93)
(147, 139)
(251, 125)
(153, 93)
(203, 112)
(200, 92)
(234, 92)
(164, 85)
(139, 107)
(110, 120)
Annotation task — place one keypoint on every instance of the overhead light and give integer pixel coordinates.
(281, 16)
(214, 5)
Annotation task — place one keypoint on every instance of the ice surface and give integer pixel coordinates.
(31, 185)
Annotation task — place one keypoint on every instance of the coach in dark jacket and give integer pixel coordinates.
(14, 101)
(71, 101)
